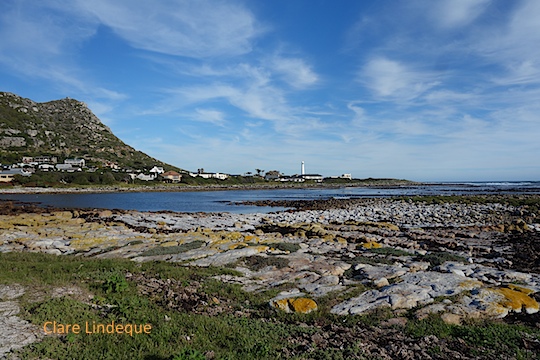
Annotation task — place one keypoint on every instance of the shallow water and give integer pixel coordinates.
(221, 201)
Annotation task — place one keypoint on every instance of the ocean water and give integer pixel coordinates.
(222, 201)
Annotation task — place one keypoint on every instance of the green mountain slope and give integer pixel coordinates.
(64, 128)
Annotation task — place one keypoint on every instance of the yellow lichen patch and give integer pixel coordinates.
(88, 243)
(303, 305)
(371, 245)
(328, 237)
(341, 240)
(516, 300)
(526, 291)
(235, 235)
(299, 305)
(282, 304)
(236, 246)
(169, 243)
(250, 238)
(261, 248)
(470, 284)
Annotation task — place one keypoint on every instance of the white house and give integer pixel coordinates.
(75, 162)
(206, 175)
(67, 167)
(316, 177)
(8, 175)
(145, 177)
(156, 170)
(46, 167)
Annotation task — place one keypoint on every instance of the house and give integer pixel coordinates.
(8, 175)
(46, 159)
(272, 175)
(171, 176)
(67, 167)
(75, 162)
(315, 177)
(46, 167)
(293, 178)
(206, 175)
(156, 170)
(145, 177)
(346, 176)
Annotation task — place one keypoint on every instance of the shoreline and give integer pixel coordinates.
(190, 188)
(376, 184)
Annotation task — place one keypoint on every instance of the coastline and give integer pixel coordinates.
(196, 188)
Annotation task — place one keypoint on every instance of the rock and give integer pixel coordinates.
(10, 292)
(371, 245)
(105, 214)
(382, 282)
(451, 319)
(516, 300)
(297, 304)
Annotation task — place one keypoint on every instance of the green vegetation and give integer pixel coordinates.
(236, 325)
(439, 257)
(389, 251)
(169, 250)
(64, 128)
(290, 247)
(257, 263)
(490, 338)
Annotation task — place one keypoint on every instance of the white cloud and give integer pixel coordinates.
(192, 28)
(209, 115)
(457, 13)
(390, 78)
(294, 71)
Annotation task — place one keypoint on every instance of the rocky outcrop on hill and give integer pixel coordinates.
(64, 128)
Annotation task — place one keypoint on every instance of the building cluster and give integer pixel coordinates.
(29, 165)
(277, 176)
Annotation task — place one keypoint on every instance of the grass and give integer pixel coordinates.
(486, 337)
(170, 250)
(248, 329)
(439, 257)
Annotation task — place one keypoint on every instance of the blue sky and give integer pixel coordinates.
(423, 90)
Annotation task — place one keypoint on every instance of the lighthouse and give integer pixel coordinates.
(302, 170)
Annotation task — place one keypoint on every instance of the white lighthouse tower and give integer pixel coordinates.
(302, 171)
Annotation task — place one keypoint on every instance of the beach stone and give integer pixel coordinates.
(230, 256)
(295, 304)
(451, 319)
(10, 292)
(376, 273)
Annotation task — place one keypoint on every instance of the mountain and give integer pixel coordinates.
(64, 128)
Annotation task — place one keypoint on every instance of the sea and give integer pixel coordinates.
(227, 200)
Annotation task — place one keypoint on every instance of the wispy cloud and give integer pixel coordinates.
(456, 13)
(294, 71)
(195, 28)
(209, 115)
(391, 78)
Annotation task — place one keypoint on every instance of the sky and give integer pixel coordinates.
(445, 90)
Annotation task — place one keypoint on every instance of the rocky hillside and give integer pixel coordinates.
(62, 128)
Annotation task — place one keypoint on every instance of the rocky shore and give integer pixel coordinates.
(459, 261)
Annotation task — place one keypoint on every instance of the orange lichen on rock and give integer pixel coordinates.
(282, 304)
(303, 305)
(520, 289)
(371, 245)
(298, 305)
(516, 300)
